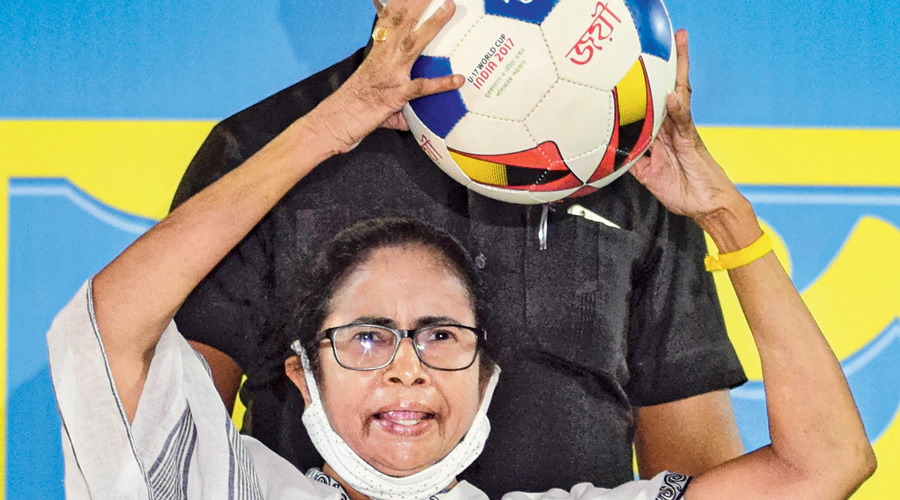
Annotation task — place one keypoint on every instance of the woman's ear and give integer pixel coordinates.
(294, 370)
(483, 385)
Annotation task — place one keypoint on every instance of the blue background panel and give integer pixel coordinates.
(165, 58)
(812, 63)
(58, 237)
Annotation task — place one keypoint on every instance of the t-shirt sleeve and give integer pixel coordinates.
(677, 343)
(232, 309)
(228, 309)
(663, 486)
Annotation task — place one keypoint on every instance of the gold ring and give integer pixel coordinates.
(380, 34)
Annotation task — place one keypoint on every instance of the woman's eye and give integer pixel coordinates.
(370, 337)
(440, 334)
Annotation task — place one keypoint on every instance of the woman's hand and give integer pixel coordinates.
(376, 93)
(680, 171)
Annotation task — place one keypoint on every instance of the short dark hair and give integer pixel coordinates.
(339, 258)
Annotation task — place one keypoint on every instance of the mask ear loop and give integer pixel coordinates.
(297, 347)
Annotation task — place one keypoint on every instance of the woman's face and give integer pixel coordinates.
(406, 416)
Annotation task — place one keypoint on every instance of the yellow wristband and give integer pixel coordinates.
(742, 257)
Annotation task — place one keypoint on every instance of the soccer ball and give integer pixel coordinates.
(561, 96)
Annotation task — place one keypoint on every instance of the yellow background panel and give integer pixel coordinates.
(133, 166)
(818, 157)
(850, 284)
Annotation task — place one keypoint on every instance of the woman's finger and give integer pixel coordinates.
(395, 29)
(681, 117)
(433, 25)
(682, 69)
(421, 87)
(403, 14)
(378, 7)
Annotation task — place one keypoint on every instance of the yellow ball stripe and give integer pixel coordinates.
(632, 95)
(481, 171)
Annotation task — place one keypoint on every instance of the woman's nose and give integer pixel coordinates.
(406, 368)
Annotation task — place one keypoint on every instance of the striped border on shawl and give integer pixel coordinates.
(317, 475)
(242, 480)
(169, 473)
(673, 486)
(112, 383)
(204, 363)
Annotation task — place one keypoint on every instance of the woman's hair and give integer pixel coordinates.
(348, 250)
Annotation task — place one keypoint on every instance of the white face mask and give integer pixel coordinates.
(367, 479)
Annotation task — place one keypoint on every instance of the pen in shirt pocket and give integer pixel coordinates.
(580, 211)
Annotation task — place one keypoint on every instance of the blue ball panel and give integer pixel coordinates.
(533, 12)
(653, 27)
(439, 112)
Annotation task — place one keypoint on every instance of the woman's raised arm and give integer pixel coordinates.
(819, 449)
(137, 294)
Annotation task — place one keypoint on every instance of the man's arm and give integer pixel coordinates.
(225, 371)
(691, 435)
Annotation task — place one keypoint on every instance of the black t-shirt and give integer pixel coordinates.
(603, 320)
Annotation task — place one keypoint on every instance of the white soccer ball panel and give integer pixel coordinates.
(468, 12)
(541, 94)
(592, 43)
(662, 81)
(479, 134)
(585, 165)
(434, 147)
(506, 66)
(507, 195)
(578, 119)
(550, 196)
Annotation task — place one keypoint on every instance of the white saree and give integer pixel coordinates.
(182, 443)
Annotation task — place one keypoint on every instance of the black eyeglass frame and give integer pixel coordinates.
(480, 338)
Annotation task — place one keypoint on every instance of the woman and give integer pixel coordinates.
(398, 418)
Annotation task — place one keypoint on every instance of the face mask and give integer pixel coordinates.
(375, 484)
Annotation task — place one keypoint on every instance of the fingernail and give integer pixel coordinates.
(445, 5)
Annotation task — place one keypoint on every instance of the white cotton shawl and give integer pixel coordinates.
(182, 443)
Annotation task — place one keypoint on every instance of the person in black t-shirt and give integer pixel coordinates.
(612, 336)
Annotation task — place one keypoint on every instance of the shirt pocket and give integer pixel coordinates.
(579, 292)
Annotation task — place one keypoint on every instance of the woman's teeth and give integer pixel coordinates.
(404, 418)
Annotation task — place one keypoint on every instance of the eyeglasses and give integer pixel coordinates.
(371, 347)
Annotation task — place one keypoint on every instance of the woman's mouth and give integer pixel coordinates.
(404, 422)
